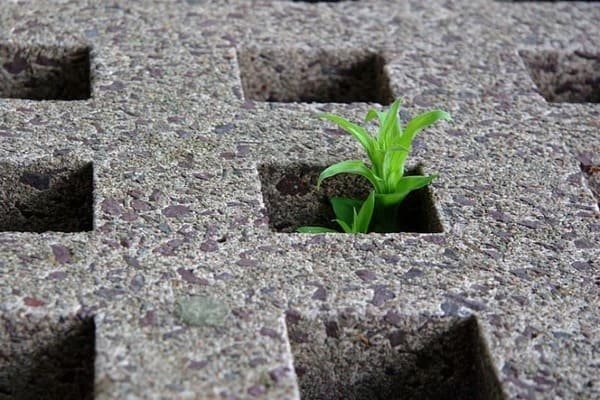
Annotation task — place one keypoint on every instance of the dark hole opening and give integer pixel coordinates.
(44, 73)
(292, 199)
(369, 360)
(321, 76)
(53, 361)
(592, 174)
(565, 77)
(42, 197)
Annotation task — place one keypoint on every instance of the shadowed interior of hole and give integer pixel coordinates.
(51, 360)
(592, 175)
(292, 199)
(322, 76)
(565, 77)
(41, 198)
(448, 363)
(44, 72)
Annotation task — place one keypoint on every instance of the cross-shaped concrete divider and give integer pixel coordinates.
(187, 288)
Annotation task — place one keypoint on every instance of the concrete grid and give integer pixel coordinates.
(155, 156)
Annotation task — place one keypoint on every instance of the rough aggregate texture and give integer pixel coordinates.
(181, 284)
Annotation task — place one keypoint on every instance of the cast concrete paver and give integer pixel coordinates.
(179, 212)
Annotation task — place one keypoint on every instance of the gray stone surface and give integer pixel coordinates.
(502, 303)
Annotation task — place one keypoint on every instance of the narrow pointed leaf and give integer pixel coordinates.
(356, 167)
(410, 183)
(420, 122)
(344, 225)
(355, 130)
(344, 208)
(363, 219)
(393, 166)
(389, 126)
(372, 114)
(406, 185)
(315, 229)
(389, 199)
(377, 159)
(354, 221)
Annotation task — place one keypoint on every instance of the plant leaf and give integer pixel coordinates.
(420, 122)
(344, 208)
(414, 182)
(363, 219)
(344, 225)
(377, 160)
(315, 229)
(389, 199)
(355, 130)
(373, 113)
(354, 219)
(406, 185)
(390, 126)
(393, 166)
(356, 167)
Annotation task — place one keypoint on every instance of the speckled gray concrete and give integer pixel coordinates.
(178, 209)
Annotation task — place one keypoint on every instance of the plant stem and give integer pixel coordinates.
(385, 219)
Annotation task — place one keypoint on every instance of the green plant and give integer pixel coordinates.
(347, 217)
(387, 152)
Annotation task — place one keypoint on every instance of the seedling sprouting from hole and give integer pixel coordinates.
(387, 152)
(348, 218)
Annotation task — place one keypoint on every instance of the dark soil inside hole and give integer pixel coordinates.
(292, 199)
(565, 77)
(368, 360)
(313, 75)
(53, 361)
(592, 174)
(42, 198)
(44, 73)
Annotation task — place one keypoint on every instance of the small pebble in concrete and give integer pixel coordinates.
(201, 311)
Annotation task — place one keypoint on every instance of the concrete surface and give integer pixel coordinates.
(134, 140)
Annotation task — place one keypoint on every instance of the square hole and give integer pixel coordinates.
(592, 173)
(565, 77)
(44, 73)
(313, 75)
(351, 358)
(47, 359)
(45, 197)
(292, 199)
